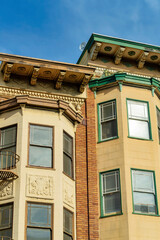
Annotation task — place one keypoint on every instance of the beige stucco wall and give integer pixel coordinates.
(52, 186)
(126, 153)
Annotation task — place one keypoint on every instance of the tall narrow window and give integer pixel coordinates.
(6, 218)
(158, 123)
(67, 154)
(138, 118)
(39, 221)
(8, 147)
(144, 197)
(41, 146)
(67, 225)
(107, 120)
(110, 193)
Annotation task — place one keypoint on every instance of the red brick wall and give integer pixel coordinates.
(86, 174)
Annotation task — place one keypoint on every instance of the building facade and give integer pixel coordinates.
(126, 91)
(79, 157)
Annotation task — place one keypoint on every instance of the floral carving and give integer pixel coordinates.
(40, 186)
(68, 194)
(6, 190)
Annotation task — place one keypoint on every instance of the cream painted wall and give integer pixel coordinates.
(60, 188)
(126, 153)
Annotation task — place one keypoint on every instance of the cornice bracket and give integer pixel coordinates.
(7, 72)
(84, 83)
(119, 55)
(60, 79)
(34, 76)
(94, 51)
(120, 85)
(142, 59)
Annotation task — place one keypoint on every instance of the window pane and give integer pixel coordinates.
(40, 135)
(8, 137)
(110, 182)
(67, 144)
(40, 156)
(67, 165)
(67, 237)
(137, 110)
(39, 215)
(143, 181)
(7, 159)
(5, 216)
(108, 111)
(158, 118)
(138, 129)
(144, 202)
(7, 233)
(68, 218)
(38, 234)
(109, 129)
(112, 202)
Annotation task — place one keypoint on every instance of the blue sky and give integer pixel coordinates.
(54, 29)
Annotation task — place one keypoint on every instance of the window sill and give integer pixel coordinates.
(106, 140)
(68, 176)
(140, 138)
(112, 214)
(146, 214)
(39, 167)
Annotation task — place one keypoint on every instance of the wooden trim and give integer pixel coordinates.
(39, 102)
(52, 216)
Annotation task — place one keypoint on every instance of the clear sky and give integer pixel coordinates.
(54, 29)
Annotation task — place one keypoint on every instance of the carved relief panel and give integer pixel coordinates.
(68, 194)
(6, 190)
(40, 187)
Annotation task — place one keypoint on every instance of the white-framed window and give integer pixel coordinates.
(138, 119)
(110, 192)
(107, 120)
(67, 154)
(144, 196)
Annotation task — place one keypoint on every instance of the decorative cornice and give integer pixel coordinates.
(60, 79)
(25, 100)
(34, 76)
(11, 92)
(94, 51)
(85, 81)
(142, 59)
(7, 72)
(125, 79)
(119, 55)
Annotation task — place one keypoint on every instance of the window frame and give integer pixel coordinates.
(158, 111)
(103, 214)
(149, 120)
(52, 156)
(100, 123)
(155, 195)
(71, 157)
(39, 227)
(11, 227)
(64, 232)
(15, 145)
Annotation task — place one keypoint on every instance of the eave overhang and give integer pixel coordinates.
(120, 79)
(35, 69)
(119, 49)
(27, 101)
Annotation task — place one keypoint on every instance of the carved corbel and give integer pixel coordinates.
(7, 72)
(60, 80)
(84, 83)
(119, 55)
(142, 59)
(95, 50)
(34, 76)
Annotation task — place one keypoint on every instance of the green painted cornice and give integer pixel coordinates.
(125, 79)
(117, 41)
